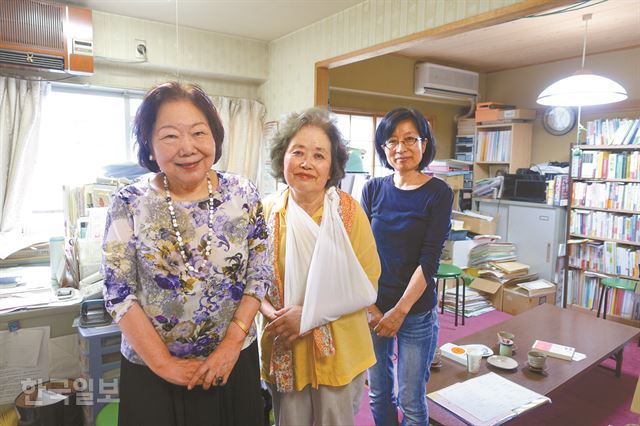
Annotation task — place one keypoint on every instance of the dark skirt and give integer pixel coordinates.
(146, 399)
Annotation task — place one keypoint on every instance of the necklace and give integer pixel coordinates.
(174, 223)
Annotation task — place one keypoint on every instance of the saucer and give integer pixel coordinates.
(435, 366)
(503, 362)
(537, 369)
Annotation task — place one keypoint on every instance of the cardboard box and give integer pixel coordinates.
(517, 114)
(516, 300)
(493, 111)
(493, 289)
(489, 111)
(476, 224)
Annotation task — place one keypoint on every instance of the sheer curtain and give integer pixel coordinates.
(20, 113)
(242, 120)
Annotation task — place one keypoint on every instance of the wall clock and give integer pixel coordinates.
(559, 120)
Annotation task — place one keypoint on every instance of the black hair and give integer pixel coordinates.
(148, 113)
(388, 125)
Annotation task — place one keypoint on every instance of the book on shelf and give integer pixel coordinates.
(614, 131)
(554, 350)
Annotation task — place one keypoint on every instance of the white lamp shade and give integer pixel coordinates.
(582, 89)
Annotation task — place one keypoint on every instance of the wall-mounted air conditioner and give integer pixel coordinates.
(44, 36)
(438, 80)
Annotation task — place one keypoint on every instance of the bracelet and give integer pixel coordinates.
(241, 324)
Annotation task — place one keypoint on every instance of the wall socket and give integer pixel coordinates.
(141, 49)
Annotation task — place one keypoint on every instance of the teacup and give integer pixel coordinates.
(537, 359)
(505, 335)
(506, 347)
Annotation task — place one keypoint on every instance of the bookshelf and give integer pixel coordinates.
(604, 218)
(501, 147)
(463, 151)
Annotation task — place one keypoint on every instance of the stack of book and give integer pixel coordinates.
(450, 166)
(492, 252)
(476, 303)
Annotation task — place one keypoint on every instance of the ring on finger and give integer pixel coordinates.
(219, 380)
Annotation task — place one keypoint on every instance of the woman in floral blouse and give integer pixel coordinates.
(186, 268)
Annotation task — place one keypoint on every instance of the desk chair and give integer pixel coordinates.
(448, 272)
(606, 286)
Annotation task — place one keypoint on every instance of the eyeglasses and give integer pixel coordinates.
(408, 141)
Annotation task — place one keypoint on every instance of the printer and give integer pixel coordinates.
(525, 185)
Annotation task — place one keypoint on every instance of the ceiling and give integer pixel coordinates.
(615, 25)
(527, 41)
(257, 19)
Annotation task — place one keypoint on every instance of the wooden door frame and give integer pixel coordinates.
(487, 19)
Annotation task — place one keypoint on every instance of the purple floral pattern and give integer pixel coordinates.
(142, 264)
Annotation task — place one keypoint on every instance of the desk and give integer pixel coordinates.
(594, 337)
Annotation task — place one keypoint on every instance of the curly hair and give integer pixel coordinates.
(291, 124)
(148, 113)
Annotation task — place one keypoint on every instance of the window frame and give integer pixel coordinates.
(376, 117)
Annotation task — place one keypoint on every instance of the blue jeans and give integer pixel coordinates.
(417, 341)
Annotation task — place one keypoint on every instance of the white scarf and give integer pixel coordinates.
(322, 272)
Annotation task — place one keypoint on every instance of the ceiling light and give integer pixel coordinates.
(583, 88)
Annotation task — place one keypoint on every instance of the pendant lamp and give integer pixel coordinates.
(583, 88)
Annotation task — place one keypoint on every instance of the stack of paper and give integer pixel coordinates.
(492, 252)
(475, 302)
(506, 272)
(487, 400)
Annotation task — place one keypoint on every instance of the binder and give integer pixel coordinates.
(487, 400)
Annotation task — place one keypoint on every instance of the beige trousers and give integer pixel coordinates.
(327, 405)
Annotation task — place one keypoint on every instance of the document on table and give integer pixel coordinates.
(489, 399)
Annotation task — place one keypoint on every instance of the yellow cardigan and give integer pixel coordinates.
(351, 336)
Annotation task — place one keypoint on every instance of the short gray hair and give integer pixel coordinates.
(291, 124)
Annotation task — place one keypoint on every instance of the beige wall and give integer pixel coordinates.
(522, 86)
(392, 75)
(223, 65)
(292, 58)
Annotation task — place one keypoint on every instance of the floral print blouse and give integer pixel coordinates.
(142, 263)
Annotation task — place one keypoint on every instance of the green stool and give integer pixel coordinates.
(611, 283)
(108, 415)
(606, 286)
(447, 272)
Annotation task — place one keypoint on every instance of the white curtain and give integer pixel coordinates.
(20, 113)
(242, 120)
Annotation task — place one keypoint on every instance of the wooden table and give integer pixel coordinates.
(594, 337)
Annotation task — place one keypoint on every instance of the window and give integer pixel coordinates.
(82, 130)
(359, 131)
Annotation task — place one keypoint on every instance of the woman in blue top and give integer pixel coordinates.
(410, 215)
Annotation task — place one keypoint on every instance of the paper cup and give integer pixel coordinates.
(474, 358)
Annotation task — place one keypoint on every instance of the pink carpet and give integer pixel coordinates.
(596, 398)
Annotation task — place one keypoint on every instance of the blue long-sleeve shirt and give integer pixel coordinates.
(410, 227)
